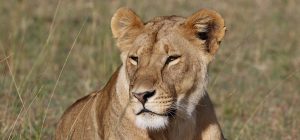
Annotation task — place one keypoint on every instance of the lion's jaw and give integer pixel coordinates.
(151, 121)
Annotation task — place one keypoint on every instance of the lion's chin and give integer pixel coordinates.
(151, 121)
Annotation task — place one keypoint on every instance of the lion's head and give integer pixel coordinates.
(165, 61)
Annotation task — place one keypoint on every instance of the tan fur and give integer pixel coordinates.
(180, 106)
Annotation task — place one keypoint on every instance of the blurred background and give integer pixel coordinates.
(53, 52)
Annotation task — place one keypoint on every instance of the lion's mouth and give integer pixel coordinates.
(144, 110)
(169, 113)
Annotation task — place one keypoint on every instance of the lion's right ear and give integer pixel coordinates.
(125, 23)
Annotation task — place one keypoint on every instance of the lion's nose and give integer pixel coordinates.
(144, 96)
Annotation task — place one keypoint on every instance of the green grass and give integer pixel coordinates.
(254, 80)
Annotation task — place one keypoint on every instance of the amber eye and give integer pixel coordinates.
(172, 58)
(134, 59)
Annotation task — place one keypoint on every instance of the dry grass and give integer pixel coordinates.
(46, 64)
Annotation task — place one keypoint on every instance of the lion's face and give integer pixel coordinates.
(160, 72)
(166, 62)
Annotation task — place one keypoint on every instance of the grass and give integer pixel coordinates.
(54, 52)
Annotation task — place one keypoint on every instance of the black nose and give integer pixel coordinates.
(143, 97)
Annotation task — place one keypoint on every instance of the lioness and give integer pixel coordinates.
(159, 92)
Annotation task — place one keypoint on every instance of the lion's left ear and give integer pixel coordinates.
(207, 25)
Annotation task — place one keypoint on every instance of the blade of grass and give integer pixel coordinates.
(61, 71)
(12, 76)
(4, 59)
(43, 51)
(22, 112)
(15, 122)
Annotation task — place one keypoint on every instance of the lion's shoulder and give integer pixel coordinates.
(81, 103)
(75, 116)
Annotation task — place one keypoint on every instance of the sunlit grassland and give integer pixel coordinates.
(254, 79)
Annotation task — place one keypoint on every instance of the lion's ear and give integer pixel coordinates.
(125, 22)
(207, 25)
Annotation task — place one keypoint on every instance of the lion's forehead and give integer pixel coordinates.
(158, 36)
(162, 27)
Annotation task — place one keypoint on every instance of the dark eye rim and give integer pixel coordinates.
(134, 58)
(172, 58)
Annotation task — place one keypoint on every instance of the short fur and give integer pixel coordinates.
(167, 55)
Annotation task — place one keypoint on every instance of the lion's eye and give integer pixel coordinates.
(172, 58)
(134, 60)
